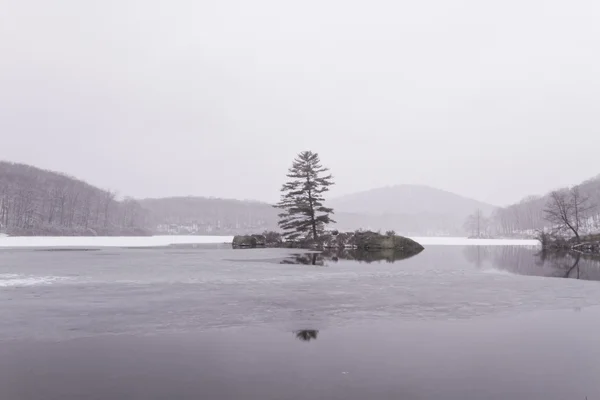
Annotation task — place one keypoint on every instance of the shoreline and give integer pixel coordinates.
(170, 240)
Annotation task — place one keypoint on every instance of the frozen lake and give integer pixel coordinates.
(157, 241)
(455, 322)
(108, 241)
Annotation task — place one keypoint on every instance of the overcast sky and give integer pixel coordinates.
(489, 99)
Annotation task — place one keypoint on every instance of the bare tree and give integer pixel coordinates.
(476, 224)
(4, 207)
(529, 214)
(72, 206)
(109, 198)
(568, 210)
(131, 211)
(86, 210)
(60, 198)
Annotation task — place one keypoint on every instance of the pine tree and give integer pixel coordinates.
(304, 214)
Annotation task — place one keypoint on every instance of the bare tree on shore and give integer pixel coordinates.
(529, 214)
(568, 210)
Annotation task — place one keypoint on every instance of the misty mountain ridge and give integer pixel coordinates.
(409, 199)
(407, 209)
(36, 201)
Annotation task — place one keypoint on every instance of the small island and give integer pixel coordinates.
(359, 240)
(304, 217)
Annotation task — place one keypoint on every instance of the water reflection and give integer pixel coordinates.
(307, 335)
(569, 262)
(305, 259)
(477, 255)
(389, 256)
(326, 257)
(526, 261)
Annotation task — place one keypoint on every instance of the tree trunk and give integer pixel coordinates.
(312, 210)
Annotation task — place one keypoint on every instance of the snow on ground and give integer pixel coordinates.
(91, 242)
(156, 241)
(462, 241)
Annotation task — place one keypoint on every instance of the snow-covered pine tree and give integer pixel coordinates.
(304, 216)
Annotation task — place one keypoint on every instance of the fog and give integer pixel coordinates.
(492, 100)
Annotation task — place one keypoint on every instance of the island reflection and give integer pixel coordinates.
(327, 257)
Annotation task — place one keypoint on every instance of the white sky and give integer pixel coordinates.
(492, 100)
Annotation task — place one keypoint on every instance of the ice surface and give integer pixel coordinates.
(182, 289)
(7, 280)
(462, 241)
(94, 242)
(175, 320)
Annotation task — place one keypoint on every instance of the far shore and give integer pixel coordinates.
(161, 241)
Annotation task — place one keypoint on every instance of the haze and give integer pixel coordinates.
(492, 100)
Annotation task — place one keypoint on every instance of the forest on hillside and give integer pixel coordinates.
(527, 216)
(39, 202)
(202, 215)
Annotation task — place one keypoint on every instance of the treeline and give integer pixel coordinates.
(202, 215)
(422, 224)
(39, 202)
(528, 216)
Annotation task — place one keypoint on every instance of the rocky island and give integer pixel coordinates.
(304, 217)
(359, 240)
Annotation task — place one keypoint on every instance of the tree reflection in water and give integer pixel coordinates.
(330, 256)
(305, 259)
(567, 261)
(477, 255)
(527, 261)
(307, 335)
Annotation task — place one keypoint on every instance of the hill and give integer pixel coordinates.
(202, 215)
(39, 202)
(525, 217)
(409, 199)
(410, 209)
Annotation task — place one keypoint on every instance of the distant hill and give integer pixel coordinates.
(39, 202)
(409, 199)
(202, 215)
(410, 212)
(409, 209)
(525, 217)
